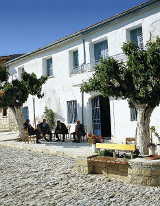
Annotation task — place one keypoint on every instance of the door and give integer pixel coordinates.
(101, 123)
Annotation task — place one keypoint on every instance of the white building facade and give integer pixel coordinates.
(70, 61)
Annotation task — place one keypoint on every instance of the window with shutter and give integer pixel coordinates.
(100, 50)
(20, 72)
(25, 113)
(136, 36)
(133, 114)
(49, 67)
(75, 59)
(71, 111)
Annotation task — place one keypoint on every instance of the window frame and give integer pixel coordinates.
(74, 66)
(133, 113)
(71, 116)
(20, 72)
(141, 45)
(47, 69)
(93, 49)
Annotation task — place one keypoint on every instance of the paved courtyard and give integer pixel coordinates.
(42, 179)
(68, 148)
(31, 178)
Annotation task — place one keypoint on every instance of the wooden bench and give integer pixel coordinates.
(117, 147)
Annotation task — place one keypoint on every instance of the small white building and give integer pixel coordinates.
(71, 60)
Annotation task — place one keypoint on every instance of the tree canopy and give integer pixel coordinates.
(16, 92)
(138, 79)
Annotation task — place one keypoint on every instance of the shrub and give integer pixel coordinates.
(49, 115)
(106, 153)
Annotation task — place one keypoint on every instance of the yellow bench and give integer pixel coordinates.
(117, 147)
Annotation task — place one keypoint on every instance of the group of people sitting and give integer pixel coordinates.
(43, 129)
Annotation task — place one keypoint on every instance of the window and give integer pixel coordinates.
(49, 67)
(133, 113)
(4, 112)
(72, 111)
(136, 36)
(75, 59)
(20, 72)
(100, 50)
(25, 113)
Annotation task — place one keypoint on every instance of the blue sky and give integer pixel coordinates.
(26, 25)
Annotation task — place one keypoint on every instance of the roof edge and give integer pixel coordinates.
(86, 30)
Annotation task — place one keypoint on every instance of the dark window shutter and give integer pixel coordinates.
(71, 111)
(136, 37)
(133, 114)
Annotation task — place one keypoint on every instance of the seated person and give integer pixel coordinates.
(79, 132)
(31, 130)
(44, 128)
(61, 129)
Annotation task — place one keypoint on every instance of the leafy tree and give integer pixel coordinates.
(137, 80)
(16, 92)
(50, 117)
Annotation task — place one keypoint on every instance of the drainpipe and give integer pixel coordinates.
(84, 52)
(82, 93)
(34, 115)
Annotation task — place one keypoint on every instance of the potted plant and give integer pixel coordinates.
(92, 139)
(100, 139)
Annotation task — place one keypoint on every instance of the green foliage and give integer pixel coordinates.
(17, 91)
(33, 84)
(50, 117)
(137, 80)
(106, 153)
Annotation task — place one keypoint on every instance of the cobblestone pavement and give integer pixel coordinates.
(38, 179)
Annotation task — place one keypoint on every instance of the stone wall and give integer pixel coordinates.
(107, 165)
(7, 123)
(144, 172)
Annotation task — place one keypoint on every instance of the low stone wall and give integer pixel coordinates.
(81, 165)
(144, 172)
(107, 165)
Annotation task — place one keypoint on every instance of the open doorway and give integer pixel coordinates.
(101, 122)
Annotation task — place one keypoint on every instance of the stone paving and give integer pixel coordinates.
(29, 178)
(32, 178)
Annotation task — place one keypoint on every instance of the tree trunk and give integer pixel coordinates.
(19, 119)
(143, 129)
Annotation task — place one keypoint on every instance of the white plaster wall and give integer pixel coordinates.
(64, 86)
